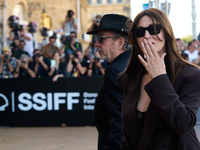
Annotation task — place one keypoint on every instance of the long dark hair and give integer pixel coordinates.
(173, 59)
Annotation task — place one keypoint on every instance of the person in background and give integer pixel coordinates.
(97, 66)
(17, 51)
(77, 66)
(185, 56)
(41, 65)
(59, 68)
(70, 46)
(49, 49)
(112, 45)
(192, 51)
(181, 45)
(7, 64)
(23, 68)
(161, 91)
(27, 37)
(70, 23)
(94, 26)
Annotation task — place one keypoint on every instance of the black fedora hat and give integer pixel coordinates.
(113, 22)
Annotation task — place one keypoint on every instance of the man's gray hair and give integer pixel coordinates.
(24, 56)
(126, 46)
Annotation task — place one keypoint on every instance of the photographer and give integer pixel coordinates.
(70, 23)
(49, 49)
(96, 66)
(15, 47)
(23, 68)
(32, 27)
(15, 27)
(41, 65)
(59, 68)
(27, 37)
(70, 46)
(94, 26)
(7, 64)
(77, 66)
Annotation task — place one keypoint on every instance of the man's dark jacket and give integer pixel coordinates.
(107, 112)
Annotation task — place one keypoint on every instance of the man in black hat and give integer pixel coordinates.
(112, 45)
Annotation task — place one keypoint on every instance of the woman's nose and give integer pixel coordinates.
(147, 35)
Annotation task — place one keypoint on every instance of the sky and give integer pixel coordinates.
(180, 15)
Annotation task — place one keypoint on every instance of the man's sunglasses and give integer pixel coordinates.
(140, 31)
(100, 38)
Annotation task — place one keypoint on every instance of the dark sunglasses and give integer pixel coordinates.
(140, 31)
(100, 38)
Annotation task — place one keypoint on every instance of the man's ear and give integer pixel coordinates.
(121, 43)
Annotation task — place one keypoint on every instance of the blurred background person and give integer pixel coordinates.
(27, 37)
(15, 27)
(181, 45)
(96, 66)
(7, 64)
(17, 51)
(94, 26)
(77, 66)
(185, 56)
(70, 23)
(32, 28)
(70, 46)
(23, 68)
(59, 68)
(49, 49)
(192, 51)
(45, 40)
(40, 64)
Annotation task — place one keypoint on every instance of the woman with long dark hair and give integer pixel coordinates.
(161, 91)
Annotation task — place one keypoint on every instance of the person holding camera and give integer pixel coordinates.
(27, 37)
(15, 27)
(15, 47)
(94, 26)
(23, 68)
(70, 23)
(58, 68)
(70, 46)
(41, 65)
(77, 66)
(7, 64)
(49, 49)
(96, 66)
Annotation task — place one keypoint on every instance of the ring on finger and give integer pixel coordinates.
(145, 56)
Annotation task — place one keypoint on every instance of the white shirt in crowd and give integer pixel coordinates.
(192, 56)
(29, 44)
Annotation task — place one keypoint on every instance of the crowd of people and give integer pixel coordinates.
(25, 57)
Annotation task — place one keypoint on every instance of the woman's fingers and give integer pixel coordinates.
(144, 50)
(148, 48)
(144, 63)
(153, 49)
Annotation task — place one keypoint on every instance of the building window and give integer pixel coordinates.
(89, 2)
(119, 1)
(109, 1)
(98, 1)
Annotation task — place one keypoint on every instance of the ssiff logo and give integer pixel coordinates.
(5, 102)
